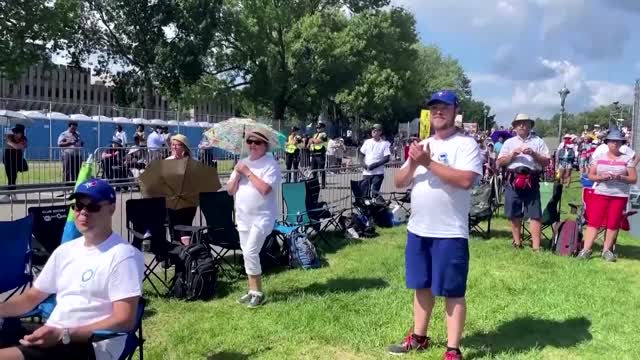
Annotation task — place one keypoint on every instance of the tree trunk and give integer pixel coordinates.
(148, 95)
(279, 107)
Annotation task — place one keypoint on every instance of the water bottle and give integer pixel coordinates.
(146, 241)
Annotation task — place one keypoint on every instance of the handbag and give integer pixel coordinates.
(23, 166)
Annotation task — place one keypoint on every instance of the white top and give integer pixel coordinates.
(122, 135)
(155, 140)
(533, 142)
(374, 151)
(87, 280)
(437, 209)
(251, 207)
(331, 147)
(604, 148)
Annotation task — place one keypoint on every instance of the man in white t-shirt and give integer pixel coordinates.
(375, 153)
(443, 169)
(97, 280)
(156, 143)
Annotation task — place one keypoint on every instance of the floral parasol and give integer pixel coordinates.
(229, 135)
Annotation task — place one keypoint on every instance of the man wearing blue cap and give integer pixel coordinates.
(442, 169)
(97, 280)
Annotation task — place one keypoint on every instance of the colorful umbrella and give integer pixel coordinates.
(497, 134)
(229, 135)
(70, 231)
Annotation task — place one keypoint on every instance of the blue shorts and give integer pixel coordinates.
(438, 264)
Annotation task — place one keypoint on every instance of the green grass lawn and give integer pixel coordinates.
(521, 305)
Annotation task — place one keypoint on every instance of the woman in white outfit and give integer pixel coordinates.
(253, 182)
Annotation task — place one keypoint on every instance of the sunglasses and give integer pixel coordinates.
(92, 208)
(256, 142)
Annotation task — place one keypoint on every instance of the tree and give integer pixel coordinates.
(144, 44)
(33, 30)
(294, 55)
(575, 123)
(474, 111)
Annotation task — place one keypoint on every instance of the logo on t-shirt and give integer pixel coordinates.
(443, 158)
(87, 275)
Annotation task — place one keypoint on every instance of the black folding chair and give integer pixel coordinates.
(481, 209)
(48, 225)
(147, 225)
(550, 216)
(220, 234)
(319, 210)
(362, 204)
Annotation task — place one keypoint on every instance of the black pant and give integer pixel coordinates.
(317, 165)
(371, 185)
(180, 217)
(293, 161)
(11, 161)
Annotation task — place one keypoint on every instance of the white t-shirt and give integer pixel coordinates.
(155, 141)
(251, 207)
(87, 280)
(532, 142)
(437, 209)
(604, 148)
(375, 151)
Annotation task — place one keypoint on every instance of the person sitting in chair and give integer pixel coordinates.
(97, 280)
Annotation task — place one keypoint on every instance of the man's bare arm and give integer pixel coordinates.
(463, 179)
(23, 303)
(123, 319)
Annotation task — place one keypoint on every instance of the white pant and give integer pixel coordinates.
(251, 242)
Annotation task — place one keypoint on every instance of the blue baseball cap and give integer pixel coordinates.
(444, 96)
(95, 189)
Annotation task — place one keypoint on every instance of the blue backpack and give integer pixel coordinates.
(302, 253)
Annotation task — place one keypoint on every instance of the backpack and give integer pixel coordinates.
(196, 274)
(382, 216)
(271, 255)
(568, 242)
(302, 253)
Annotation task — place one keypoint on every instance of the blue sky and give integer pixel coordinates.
(519, 53)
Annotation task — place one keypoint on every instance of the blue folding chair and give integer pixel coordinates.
(134, 337)
(15, 255)
(297, 214)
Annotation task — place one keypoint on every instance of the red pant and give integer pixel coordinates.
(605, 211)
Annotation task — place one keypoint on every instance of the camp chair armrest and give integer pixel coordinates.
(101, 335)
(188, 228)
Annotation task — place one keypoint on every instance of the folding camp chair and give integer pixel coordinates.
(362, 204)
(319, 210)
(15, 255)
(220, 234)
(401, 199)
(294, 196)
(146, 222)
(482, 202)
(550, 196)
(134, 337)
(48, 225)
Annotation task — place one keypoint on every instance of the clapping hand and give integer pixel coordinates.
(242, 169)
(420, 155)
(528, 151)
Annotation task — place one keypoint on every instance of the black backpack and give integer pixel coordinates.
(196, 274)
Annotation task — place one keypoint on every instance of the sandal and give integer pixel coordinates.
(517, 246)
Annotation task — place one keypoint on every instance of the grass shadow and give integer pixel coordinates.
(228, 355)
(335, 241)
(526, 333)
(628, 251)
(337, 285)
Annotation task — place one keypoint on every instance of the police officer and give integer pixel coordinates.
(292, 150)
(318, 147)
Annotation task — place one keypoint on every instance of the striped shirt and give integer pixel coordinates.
(618, 166)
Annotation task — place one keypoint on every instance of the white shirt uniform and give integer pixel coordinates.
(87, 280)
(375, 151)
(437, 209)
(532, 142)
(251, 207)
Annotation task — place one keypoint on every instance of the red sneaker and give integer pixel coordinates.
(408, 345)
(452, 355)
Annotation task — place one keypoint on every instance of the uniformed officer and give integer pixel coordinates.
(318, 148)
(292, 150)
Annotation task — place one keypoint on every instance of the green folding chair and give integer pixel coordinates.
(294, 196)
(550, 196)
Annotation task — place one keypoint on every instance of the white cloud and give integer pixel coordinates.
(541, 98)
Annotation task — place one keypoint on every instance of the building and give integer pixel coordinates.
(70, 90)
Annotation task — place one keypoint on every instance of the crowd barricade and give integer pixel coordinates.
(337, 194)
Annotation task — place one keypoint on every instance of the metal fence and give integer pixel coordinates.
(118, 163)
(337, 194)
